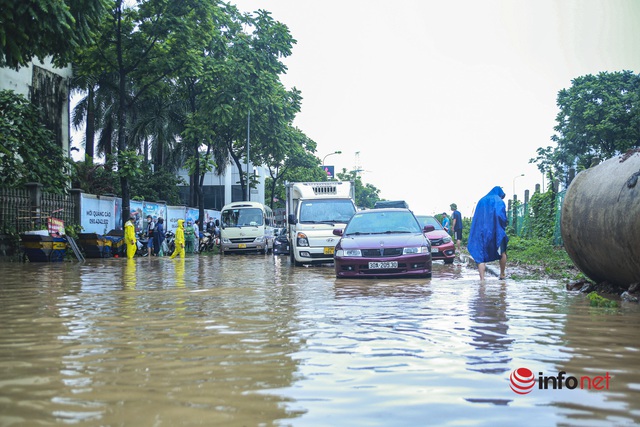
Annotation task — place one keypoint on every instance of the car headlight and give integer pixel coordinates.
(420, 250)
(348, 253)
(447, 240)
(226, 241)
(259, 239)
(302, 240)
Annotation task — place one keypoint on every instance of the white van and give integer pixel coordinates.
(246, 227)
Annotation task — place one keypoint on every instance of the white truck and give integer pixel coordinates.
(314, 210)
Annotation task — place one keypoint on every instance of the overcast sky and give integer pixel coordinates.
(443, 100)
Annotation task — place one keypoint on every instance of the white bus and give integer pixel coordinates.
(246, 227)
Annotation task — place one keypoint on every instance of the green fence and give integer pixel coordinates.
(521, 221)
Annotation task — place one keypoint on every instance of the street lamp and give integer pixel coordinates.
(514, 184)
(330, 154)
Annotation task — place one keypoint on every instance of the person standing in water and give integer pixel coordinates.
(488, 237)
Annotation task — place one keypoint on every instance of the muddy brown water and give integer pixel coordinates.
(252, 341)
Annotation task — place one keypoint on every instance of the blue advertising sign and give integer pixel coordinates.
(328, 170)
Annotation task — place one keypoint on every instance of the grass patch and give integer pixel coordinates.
(542, 259)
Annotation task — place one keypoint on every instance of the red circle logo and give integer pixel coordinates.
(522, 380)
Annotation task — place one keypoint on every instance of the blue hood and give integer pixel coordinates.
(487, 232)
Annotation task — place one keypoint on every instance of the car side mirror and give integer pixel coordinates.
(337, 231)
(428, 228)
(291, 219)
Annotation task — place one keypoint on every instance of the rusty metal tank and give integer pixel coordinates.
(600, 222)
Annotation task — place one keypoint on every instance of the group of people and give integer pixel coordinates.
(487, 237)
(187, 238)
(154, 230)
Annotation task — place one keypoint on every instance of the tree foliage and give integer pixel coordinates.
(599, 118)
(366, 194)
(28, 152)
(542, 215)
(40, 28)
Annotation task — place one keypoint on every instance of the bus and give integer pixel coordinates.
(246, 227)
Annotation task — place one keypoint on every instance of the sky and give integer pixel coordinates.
(439, 101)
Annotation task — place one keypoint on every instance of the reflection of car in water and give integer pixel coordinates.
(442, 246)
(386, 242)
(246, 227)
(281, 243)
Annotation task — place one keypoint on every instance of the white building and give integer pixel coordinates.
(47, 87)
(220, 190)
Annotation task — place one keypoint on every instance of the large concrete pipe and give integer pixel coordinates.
(600, 222)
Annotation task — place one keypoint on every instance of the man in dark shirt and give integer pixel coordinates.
(456, 225)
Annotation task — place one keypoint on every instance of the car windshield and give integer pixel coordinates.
(375, 222)
(326, 211)
(429, 220)
(242, 217)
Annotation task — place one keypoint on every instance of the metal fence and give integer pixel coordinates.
(28, 209)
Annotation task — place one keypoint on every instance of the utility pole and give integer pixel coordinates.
(248, 145)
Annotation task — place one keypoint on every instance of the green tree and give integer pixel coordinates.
(28, 152)
(40, 28)
(296, 163)
(143, 46)
(366, 194)
(248, 104)
(599, 118)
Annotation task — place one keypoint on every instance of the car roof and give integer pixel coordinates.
(378, 210)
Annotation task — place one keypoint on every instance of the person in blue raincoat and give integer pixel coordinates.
(487, 237)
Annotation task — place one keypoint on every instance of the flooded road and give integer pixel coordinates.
(253, 341)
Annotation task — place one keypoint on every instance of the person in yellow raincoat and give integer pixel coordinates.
(130, 237)
(179, 250)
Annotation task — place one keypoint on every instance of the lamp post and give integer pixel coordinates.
(330, 154)
(514, 185)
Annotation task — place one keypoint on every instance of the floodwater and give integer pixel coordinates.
(250, 340)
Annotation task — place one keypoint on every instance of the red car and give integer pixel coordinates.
(383, 243)
(442, 246)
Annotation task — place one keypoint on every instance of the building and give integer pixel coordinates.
(48, 88)
(220, 190)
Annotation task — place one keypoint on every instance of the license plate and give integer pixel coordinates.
(242, 245)
(434, 250)
(329, 250)
(385, 264)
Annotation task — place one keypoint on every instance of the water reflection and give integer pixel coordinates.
(489, 329)
(251, 340)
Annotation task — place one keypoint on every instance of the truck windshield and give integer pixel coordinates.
(329, 211)
(241, 217)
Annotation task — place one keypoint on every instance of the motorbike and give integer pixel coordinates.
(142, 245)
(207, 242)
(169, 241)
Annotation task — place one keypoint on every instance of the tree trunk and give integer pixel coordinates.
(90, 131)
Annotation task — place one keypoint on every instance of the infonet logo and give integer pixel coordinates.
(522, 381)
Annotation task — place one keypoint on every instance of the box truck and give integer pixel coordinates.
(314, 210)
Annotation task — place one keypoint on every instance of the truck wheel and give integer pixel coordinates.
(293, 260)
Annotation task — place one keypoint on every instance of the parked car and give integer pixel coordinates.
(442, 246)
(387, 242)
(281, 243)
